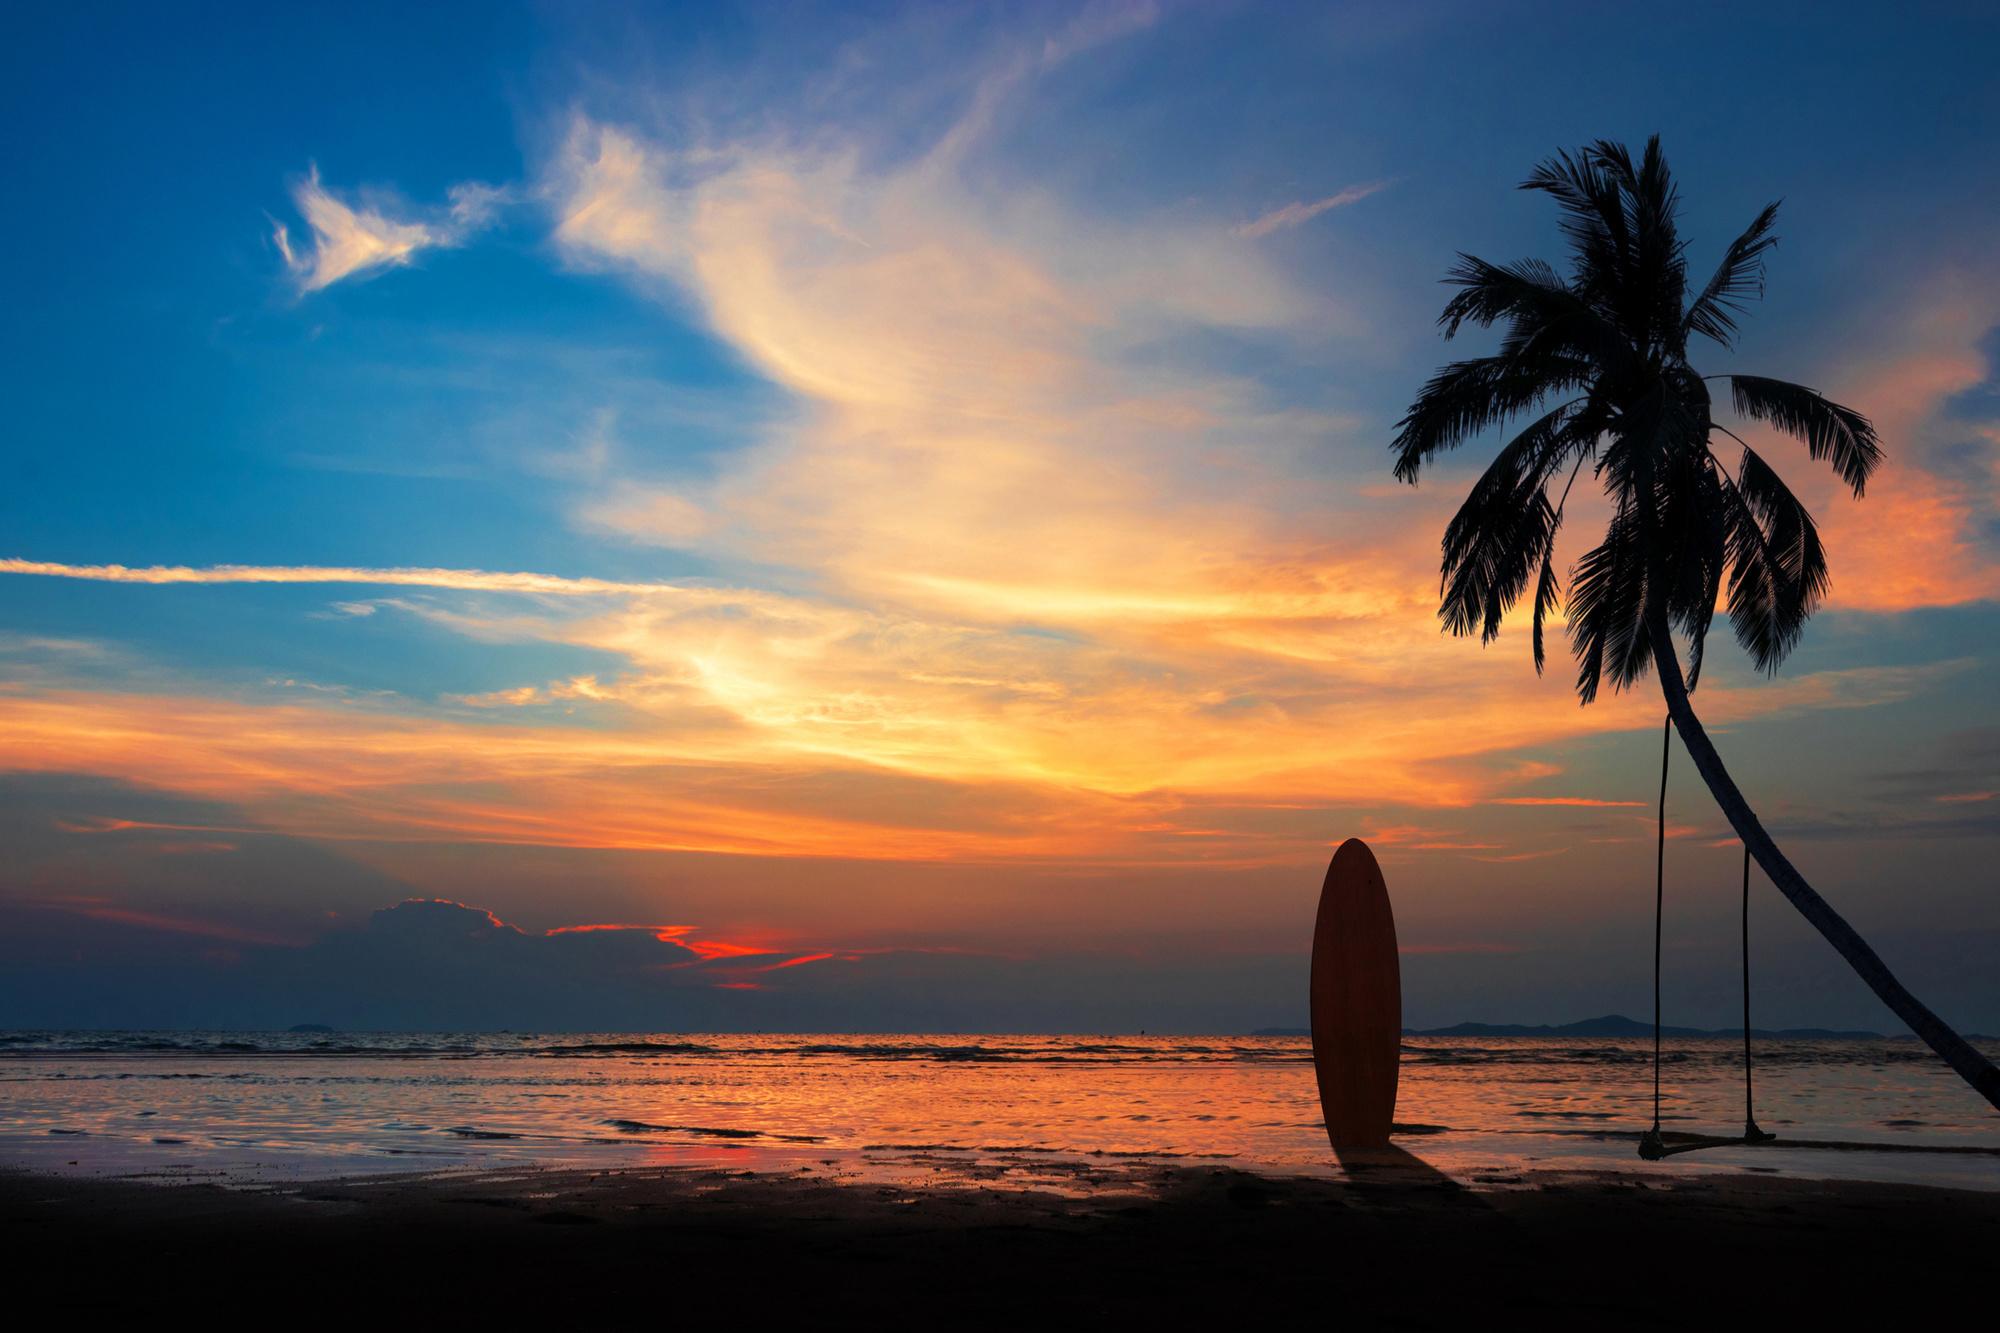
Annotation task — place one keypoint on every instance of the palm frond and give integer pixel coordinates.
(1738, 280)
(1593, 218)
(1504, 528)
(1649, 446)
(1655, 276)
(1547, 590)
(1467, 397)
(1609, 595)
(1575, 329)
(1778, 572)
(1491, 291)
(1695, 537)
(1606, 339)
(1584, 428)
(1829, 430)
(1546, 317)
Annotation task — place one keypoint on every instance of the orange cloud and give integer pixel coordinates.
(803, 730)
(1913, 540)
(706, 950)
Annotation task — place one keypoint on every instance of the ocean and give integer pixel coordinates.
(246, 1108)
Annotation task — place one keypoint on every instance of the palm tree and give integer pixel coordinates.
(1600, 359)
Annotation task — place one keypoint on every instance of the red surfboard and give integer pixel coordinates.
(1357, 1001)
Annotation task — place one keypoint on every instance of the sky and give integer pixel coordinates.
(877, 517)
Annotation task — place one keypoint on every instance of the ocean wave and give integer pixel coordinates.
(1695, 1053)
(1050, 1050)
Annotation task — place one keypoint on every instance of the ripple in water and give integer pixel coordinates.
(317, 1103)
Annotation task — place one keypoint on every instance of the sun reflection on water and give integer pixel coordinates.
(995, 1111)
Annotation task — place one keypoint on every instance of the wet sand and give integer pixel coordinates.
(1394, 1244)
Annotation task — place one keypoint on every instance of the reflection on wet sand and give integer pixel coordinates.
(1004, 1110)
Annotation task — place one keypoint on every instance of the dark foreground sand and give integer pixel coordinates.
(1397, 1247)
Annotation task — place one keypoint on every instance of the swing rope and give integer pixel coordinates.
(1652, 1146)
(1751, 1133)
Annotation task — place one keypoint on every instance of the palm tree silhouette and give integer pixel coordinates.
(1609, 346)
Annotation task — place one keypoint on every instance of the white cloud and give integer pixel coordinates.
(474, 204)
(970, 372)
(462, 580)
(356, 238)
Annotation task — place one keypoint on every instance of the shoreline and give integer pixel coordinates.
(1391, 1240)
(1474, 1159)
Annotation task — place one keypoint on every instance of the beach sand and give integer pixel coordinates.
(1393, 1245)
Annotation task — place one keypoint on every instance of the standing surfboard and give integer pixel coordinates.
(1357, 1001)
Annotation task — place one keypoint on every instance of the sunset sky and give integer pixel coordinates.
(888, 509)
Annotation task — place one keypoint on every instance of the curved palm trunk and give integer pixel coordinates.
(1973, 1067)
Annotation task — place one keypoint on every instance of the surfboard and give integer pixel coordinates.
(1357, 1000)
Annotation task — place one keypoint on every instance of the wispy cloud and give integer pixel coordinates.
(1301, 211)
(1588, 802)
(1098, 22)
(962, 384)
(1521, 856)
(463, 580)
(355, 238)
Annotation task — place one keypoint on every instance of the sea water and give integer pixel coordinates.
(256, 1106)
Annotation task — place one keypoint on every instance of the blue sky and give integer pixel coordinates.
(975, 423)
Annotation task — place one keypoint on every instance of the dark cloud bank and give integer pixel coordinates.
(99, 929)
(430, 965)
(434, 965)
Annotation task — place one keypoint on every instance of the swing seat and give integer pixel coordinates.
(1653, 1145)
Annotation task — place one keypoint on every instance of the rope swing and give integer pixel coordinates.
(1652, 1146)
(1751, 1133)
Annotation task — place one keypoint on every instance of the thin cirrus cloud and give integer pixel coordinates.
(464, 580)
(351, 239)
(973, 463)
(1299, 212)
(1583, 802)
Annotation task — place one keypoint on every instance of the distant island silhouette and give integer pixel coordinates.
(1610, 1025)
